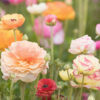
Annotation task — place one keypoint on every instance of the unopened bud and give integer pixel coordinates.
(25, 37)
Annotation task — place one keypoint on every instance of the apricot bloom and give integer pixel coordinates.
(86, 64)
(7, 37)
(23, 60)
(60, 9)
(11, 21)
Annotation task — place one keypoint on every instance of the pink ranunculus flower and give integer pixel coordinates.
(98, 29)
(97, 45)
(2, 12)
(50, 20)
(82, 45)
(91, 81)
(15, 2)
(43, 30)
(86, 64)
(30, 2)
(24, 60)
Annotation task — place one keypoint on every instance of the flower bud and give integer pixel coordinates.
(50, 20)
(91, 97)
(47, 57)
(25, 37)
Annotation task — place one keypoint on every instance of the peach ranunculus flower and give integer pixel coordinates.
(60, 9)
(11, 21)
(83, 44)
(23, 60)
(7, 37)
(86, 64)
(91, 81)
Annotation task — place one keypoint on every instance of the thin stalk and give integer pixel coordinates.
(11, 90)
(85, 14)
(70, 93)
(14, 32)
(59, 94)
(22, 90)
(81, 88)
(52, 53)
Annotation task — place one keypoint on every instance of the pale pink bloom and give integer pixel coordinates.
(44, 31)
(91, 81)
(16, 1)
(86, 64)
(83, 44)
(97, 45)
(2, 13)
(23, 60)
(98, 29)
(30, 2)
(50, 20)
(85, 96)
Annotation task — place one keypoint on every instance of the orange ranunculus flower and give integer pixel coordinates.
(11, 21)
(61, 10)
(7, 37)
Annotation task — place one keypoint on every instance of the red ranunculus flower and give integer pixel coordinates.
(45, 88)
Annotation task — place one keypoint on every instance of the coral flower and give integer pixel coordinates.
(7, 37)
(60, 9)
(23, 60)
(45, 88)
(11, 21)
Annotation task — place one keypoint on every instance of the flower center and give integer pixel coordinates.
(45, 86)
(13, 20)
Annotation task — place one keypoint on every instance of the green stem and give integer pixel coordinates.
(22, 90)
(59, 94)
(11, 90)
(81, 88)
(85, 15)
(70, 93)
(14, 32)
(52, 53)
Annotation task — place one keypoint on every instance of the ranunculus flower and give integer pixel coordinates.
(86, 64)
(2, 12)
(64, 75)
(5, 1)
(98, 29)
(68, 2)
(11, 21)
(23, 60)
(60, 9)
(83, 44)
(97, 45)
(37, 8)
(91, 81)
(43, 30)
(50, 20)
(30, 2)
(15, 2)
(45, 88)
(7, 37)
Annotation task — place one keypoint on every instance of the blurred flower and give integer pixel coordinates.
(43, 30)
(45, 88)
(98, 29)
(97, 45)
(37, 8)
(2, 12)
(50, 20)
(24, 60)
(11, 21)
(83, 44)
(85, 96)
(86, 64)
(16, 1)
(7, 37)
(60, 9)
(66, 75)
(30, 2)
(68, 2)
(5, 1)
(91, 97)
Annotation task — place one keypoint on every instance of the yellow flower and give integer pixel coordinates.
(11, 21)
(7, 37)
(66, 75)
(60, 9)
